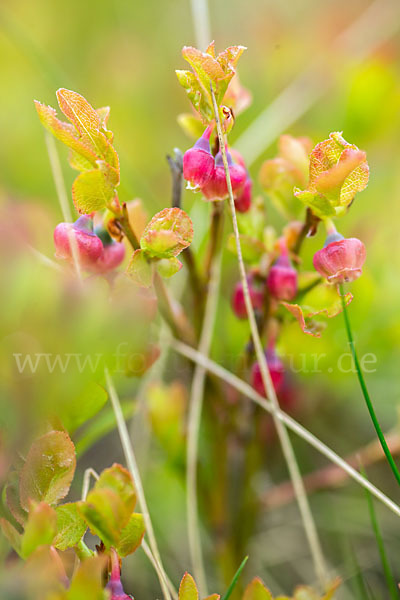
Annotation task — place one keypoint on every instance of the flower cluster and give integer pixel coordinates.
(206, 172)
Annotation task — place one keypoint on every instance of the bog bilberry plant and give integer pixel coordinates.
(311, 187)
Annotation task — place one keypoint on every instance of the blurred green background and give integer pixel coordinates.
(123, 54)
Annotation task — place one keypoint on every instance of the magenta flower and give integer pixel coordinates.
(198, 162)
(341, 259)
(89, 246)
(276, 369)
(216, 188)
(238, 303)
(282, 278)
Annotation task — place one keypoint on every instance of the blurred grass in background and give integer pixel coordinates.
(123, 54)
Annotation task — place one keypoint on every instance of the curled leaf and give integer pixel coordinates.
(322, 301)
(338, 170)
(168, 233)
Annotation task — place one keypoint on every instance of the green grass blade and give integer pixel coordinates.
(235, 579)
(392, 587)
(364, 390)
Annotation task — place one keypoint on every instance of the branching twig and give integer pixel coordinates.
(305, 511)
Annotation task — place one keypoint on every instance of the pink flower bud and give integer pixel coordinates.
(243, 200)
(238, 303)
(282, 278)
(216, 188)
(276, 369)
(198, 162)
(89, 246)
(341, 259)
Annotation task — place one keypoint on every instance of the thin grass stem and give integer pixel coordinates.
(132, 466)
(294, 472)
(365, 393)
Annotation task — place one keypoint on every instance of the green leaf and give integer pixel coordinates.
(252, 249)
(256, 590)
(109, 505)
(12, 535)
(119, 480)
(79, 162)
(40, 528)
(131, 535)
(48, 470)
(188, 589)
(92, 191)
(168, 233)
(320, 206)
(168, 266)
(70, 526)
(140, 269)
(198, 96)
(192, 126)
(81, 407)
(106, 515)
(65, 133)
(87, 583)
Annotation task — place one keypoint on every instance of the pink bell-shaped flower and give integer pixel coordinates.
(238, 303)
(276, 369)
(243, 200)
(88, 244)
(198, 162)
(216, 188)
(341, 259)
(282, 277)
(113, 253)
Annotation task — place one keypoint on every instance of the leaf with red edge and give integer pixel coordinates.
(119, 480)
(106, 515)
(256, 590)
(338, 170)
(168, 233)
(322, 301)
(188, 588)
(48, 470)
(65, 132)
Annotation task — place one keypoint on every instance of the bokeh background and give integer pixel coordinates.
(123, 54)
